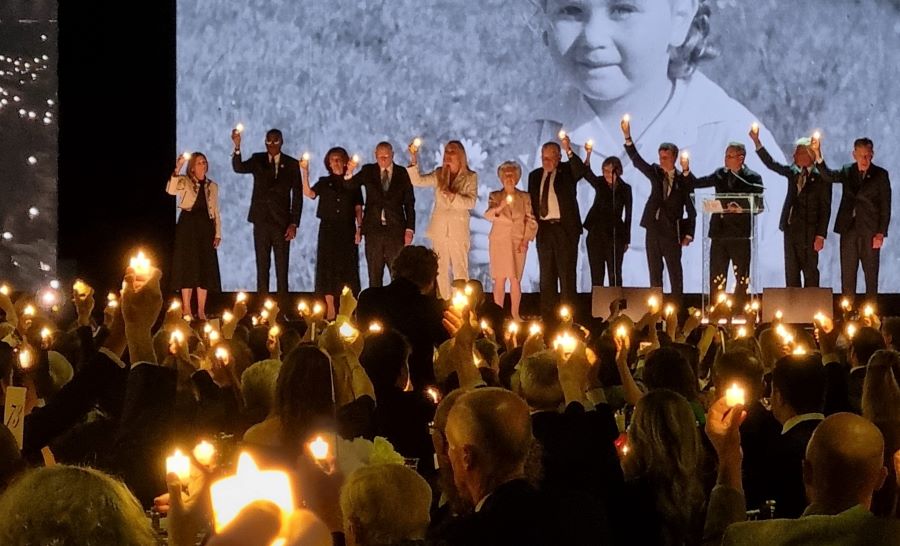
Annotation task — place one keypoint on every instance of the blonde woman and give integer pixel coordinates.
(455, 193)
(198, 233)
(513, 227)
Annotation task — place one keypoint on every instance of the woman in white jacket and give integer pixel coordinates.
(455, 192)
(198, 233)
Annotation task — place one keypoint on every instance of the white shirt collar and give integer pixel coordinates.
(797, 419)
(481, 502)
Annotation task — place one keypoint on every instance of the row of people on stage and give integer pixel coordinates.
(547, 212)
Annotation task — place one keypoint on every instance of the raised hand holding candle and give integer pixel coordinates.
(565, 312)
(460, 301)
(5, 290)
(180, 465)
(348, 332)
(561, 134)
(241, 297)
(239, 127)
(754, 128)
(26, 359)
(250, 484)
(589, 145)
(734, 395)
(565, 341)
(204, 452)
(534, 329)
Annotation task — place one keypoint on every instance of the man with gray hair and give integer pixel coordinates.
(805, 214)
(730, 230)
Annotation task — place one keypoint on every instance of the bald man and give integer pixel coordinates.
(843, 468)
(488, 438)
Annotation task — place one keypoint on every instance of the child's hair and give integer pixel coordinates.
(683, 60)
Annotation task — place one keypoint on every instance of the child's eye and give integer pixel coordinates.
(570, 10)
(620, 10)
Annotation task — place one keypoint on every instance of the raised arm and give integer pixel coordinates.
(304, 177)
(176, 181)
(765, 156)
(241, 167)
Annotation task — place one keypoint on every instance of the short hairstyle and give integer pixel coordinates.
(336, 150)
(803, 141)
(258, 386)
(737, 146)
(386, 504)
(416, 264)
(384, 145)
(666, 368)
(669, 147)
(864, 344)
(863, 142)
(539, 381)
(890, 326)
(383, 357)
(304, 394)
(801, 381)
(552, 145)
(275, 132)
(616, 164)
(72, 505)
(510, 165)
(881, 390)
(741, 366)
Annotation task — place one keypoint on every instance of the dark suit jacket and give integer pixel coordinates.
(870, 198)
(275, 200)
(611, 211)
(730, 225)
(759, 431)
(673, 208)
(402, 307)
(809, 210)
(567, 177)
(398, 204)
(785, 483)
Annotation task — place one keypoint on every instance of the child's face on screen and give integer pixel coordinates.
(610, 47)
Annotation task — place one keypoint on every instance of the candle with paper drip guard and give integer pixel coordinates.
(80, 288)
(250, 484)
(180, 465)
(222, 355)
(205, 453)
(303, 308)
(567, 342)
(26, 359)
(460, 301)
(141, 265)
(534, 329)
(241, 297)
(565, 312)
(348, 332)
(734, 395)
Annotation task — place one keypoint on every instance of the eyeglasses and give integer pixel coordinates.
(273, 142)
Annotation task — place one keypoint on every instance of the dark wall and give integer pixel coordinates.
(117, 135)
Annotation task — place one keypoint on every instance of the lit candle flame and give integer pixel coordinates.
(851, 330)
(799, 350)
(845, 304)
(241, 297)
(653, 303)
(80, 288)
(817, 135)
(741, 332)
(45, 333)
(319, 448)
(239, 127)
(222, 355)
(269, 304)
(734, 395)
(685, 155)
(348, 332)
(214, 337)
(28, 311)
(227, 317)
(176, 337)
(626, 118)
(669, 310)
(305, 156)
(868, 311)
(25, 358)
(561, 134)
(175, 305)
(204, 452)
(207, 328)
(317, 309)
(779, 315)
(4, 290)
(250, 484)
(274, 331)
(484, 324)
(565, 341)
(140, 264)
(565, 312)
(417, 142)
(355, 158)
(754, 127)
(180, 465)
(460, 301)
(375, 327)
(303, 307)
(534, 329)
(434, 394)
(186, 155)
(621, 332)
(589, 145)
(513, 327)
(509, 199)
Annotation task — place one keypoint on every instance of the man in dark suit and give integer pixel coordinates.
(390, 214)
(730, 231)
(275, 208)
(664, 214)
(555, 203)
(863, 216)
(805, 214)
(409, 305)
(608, 223)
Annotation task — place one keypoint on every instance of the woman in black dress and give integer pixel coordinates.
(340, 218)
(198, 233)
(608, 223)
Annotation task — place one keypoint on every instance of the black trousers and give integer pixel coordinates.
(734, 251)
(605, 254)
(382, 246)
(663, 244)
(857, 248)
(557, 255)
(268, 239)
(800, 257)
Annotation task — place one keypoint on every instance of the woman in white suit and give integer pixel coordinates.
(513, 227)
(198, 233)
(455, 192)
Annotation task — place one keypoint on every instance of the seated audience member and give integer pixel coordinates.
(760, 429)
(881, 406)
(409, 306)
(448, 505)
(798, 392)
(385, 505)
(666, 368)
(489, 437)
(842, 468)
(258, 383)
(11, 462)
(72, 505)
(890, 331)
(845, 380)
(664, 495)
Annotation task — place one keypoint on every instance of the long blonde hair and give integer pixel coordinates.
(463, 164)
(881, 391)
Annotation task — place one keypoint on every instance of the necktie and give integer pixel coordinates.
(545, 196)
(801, 180)
(385, 180)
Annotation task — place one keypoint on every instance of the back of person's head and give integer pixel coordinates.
(864, 344)
(11, 462)
(258, 387)
(61, 371)
(487, 350)
(603, 348)
(304, 395)
(494, 426)
(416, 264)
(666, 368)
(508, 362)
(384, 357)
(771, 348)
(881, 391)
(71, 505)
(690, 354)
(741, 367)
(890, 331)
(539, 381)
(844, 463)
(800, 382)
(385, 504)
(290, 339)
(257, 340)
(665, 451)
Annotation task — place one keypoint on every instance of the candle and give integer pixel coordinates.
(141, 265)
(264, 315)
(250, 484)
(45, 334)
(241, 297)
(460, 301)
(48, 298)
(625, 450)
(721, 297)
(176, 337)
(207, 329)
(345, 291)
(375, 327)
(319, 448)
(80, 288)
(621, 332)
(187, 318)
(778, 314)
(754, 127)
(186, 155)
(868, 311)
(348, 332)
(355, 159)
(204, 452)
(509, 199)
(741, 332)
(222, 355)
(816, 135)
(669, 310)
(227, 317)
(175, 305)
(851, 330)
(754, 305)
(564, 312)
(626, 118)
(589, 145)
(698, 313)
(653, 303)
(239, 127)
(254, 320)
(484, 325)
(214, 337)
(274, 331)
(179, 464)
(685, 155)
(317, 309)
(734, 395)
(513, 327)
(819, 317)
(561, 134)
(434, 394)
(303, 308)
(729, 303)
(468, 290)
(25, 358)
(417, 142)
(566, 342)
(28, 311)
(534, 329)
(269, 304)
(305, 156)
(799, 350)
(845, 304)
